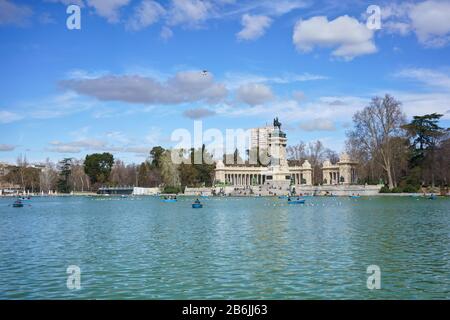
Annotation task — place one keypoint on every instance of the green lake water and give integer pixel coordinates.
(233, 248)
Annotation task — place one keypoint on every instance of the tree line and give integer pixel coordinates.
(405, 156)
(101, 169)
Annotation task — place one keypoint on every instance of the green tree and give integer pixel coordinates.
(425, 134)
(155, 155)
(65, 170)
(98, 166)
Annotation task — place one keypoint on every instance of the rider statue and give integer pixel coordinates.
(277, 123)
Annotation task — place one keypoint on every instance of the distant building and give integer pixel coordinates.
(278, 172)
(259, 137)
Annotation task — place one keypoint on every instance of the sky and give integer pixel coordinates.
(135, 70)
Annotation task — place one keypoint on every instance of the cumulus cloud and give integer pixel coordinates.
(145, 14)
(189, 12)
(428, 20)
(254, 94)
(253, 26)
(187, 86)
(318, 124)
(198, 113)
(348, 36)
(108, 9)
(431, 23)
(7, 147)
(14, 14)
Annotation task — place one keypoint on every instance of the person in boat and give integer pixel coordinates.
(298, 198)
(175, 197)
(289, 198)
(197, 201)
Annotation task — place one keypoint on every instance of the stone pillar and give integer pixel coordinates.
(307, 175)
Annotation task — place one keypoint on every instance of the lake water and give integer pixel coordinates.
(233, 248)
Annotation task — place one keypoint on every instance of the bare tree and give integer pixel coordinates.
(374, 129)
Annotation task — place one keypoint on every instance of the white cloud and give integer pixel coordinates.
(189, 12)
(68, 2)
(348, 36)
(236, 79)
(253, 27)
(430, 77)
(57, 106)
(108, 9)
(254, 94)
(187, 86)
(416, 104)
(431, 23)
(298, 95)
(7, 116)
(145, 14)
(11, 13)
(428, 20)
(198, 113)
(154, 135)
(84, 143)
(6, 147)
(166, 33)
(318, 124)
(64, 149)
(291, 110)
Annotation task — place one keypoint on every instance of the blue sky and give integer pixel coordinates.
(133, 73)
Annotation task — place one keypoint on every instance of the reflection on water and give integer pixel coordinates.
(233, 248)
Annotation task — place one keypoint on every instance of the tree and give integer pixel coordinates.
(374, 129)
(169, 170)
(65, 169)
(155, 156)
(425, 134)
(79, 180)
(98, 167)
(48, 177)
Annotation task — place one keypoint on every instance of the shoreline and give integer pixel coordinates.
(415, 195)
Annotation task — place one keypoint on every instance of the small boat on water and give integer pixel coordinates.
(282, 197)
(296, 201)
(432, 197)
(169, 199)
(197, 204)
(17, 204)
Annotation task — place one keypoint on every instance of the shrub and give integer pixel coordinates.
(385, 189)
(170, 189)
(396, 190)
(409, 188)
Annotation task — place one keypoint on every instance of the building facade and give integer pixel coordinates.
(278, 172)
